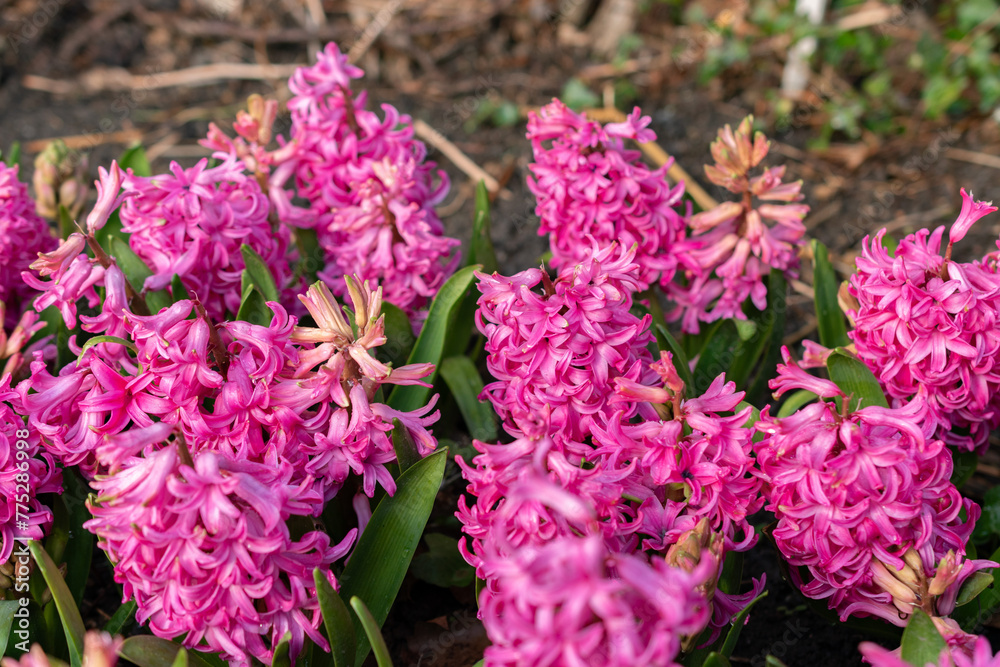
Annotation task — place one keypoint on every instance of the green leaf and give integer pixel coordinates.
(398, 334)
(281, 658)
(150, 651)
(737, 626)
(465, 384)
(577, 96)
(973, 617)
(7, 609)
(430, 344)
(382, 555)
(311, 257)
(121, 618)
(716, 660)
(442, 564)
(182, 658)
(402, 443)
(766, 340)
(665, 341)
(732, 573)
(259, 273)
(337, 621)
(973, 586)
(65, 221)
(855, 379)
(372, 631)
(831, 322)
(97, 340)
(55, 326)
(253, 309)
(795, 401)
(964, 466)
(69, 615)
(771, 661)
(922, 643)
(80, 549)
(177, 289)
(13, 157)
(134, 158)
(716, 357)
(941, 91)
(481, 249)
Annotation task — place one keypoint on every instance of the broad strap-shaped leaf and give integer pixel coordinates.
(733, 636)
(281, 657)
(372, 631)
(340, 630)
(150, 651)
(382, 555)
(964, 466)
(831, 322)
(253, 309)
(430, 345)
(260, 274)
(69, 615)
(182, 658)
(771, 332)
(404, 446)
(80, 547)
(134, 158)
(177, 289)
(7, 610)
(732, 573)
(442, 564)
(972, 617)
(399, 336)
(717, 356)
(855, 379)
(311, 256)
(465, 384)
(12, 157)
(800, 398)
(716, 660)
(922, 643)
(481, 249)
(121, 618)
(65, 222)
(973, 586)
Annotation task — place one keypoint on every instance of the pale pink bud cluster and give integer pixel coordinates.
(864, 503)
(924, 321)
(371, 192)
(192, 222)
(734, 246)
(22, 236)
(588, 184)
(99, 650)
(26, 472)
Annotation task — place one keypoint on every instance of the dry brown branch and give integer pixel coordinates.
(85, 141)
(453, 153)
(110, 79)
(982, 159)
(378, 23)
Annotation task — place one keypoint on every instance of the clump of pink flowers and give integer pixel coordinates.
(26, 472)
(205, 437)
(23, 234)
(371, 192)
(192, 222)
(588, 185)
(864, 503)
(556, 355)
(923, 321)
(733, 245)
(661, 500)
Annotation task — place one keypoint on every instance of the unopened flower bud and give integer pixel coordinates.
(256, 122)
(59, 180)
(947, 573)
(903, 585)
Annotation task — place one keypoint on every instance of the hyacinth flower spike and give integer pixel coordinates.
(923, 321)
